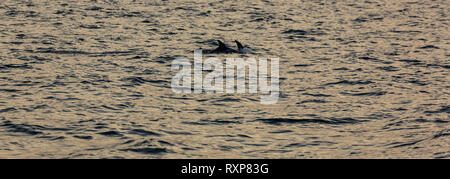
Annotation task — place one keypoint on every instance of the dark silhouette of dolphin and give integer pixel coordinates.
(221, 49)
(239, 45)
(241, 48)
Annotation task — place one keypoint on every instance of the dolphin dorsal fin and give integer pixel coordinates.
(221, 45)
(239, 45)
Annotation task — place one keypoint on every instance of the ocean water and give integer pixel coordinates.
(92, 79)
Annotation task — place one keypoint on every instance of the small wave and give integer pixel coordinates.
(346, 82)
(85, 137)
(444, 109)
(303, 121)
(143, 132)
(312, 101)
(429, 47)
(377, 93)
(111, 134)
(147, 150)
(15, 66)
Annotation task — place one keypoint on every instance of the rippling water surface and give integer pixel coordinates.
(91, 79)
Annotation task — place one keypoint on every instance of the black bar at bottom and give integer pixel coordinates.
(215, 167)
